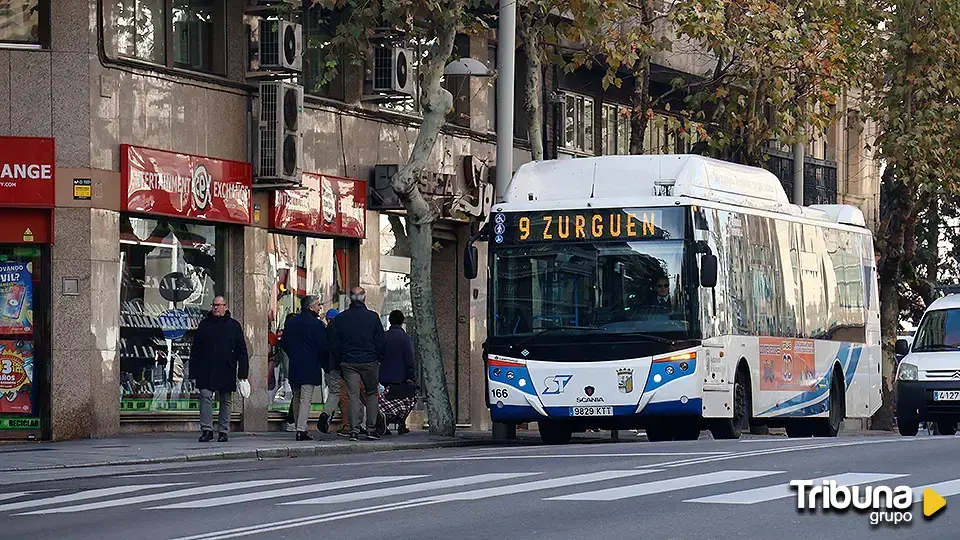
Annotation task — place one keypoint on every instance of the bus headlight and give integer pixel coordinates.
(907, 372)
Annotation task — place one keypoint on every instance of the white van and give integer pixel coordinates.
(928, 377)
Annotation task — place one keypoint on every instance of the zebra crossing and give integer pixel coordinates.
(404, 490)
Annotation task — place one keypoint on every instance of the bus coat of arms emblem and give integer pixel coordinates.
(625, 380)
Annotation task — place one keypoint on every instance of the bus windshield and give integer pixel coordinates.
(615, 287)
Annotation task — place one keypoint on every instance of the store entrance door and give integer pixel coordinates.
(24, 341)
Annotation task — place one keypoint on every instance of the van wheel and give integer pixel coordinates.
(945, 428)
(732, 428)
(830, 426)
(554, 432)
(908, 426)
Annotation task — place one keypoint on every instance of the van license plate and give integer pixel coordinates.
(591, 411)
(946, 395)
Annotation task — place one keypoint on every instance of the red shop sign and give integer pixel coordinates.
(325, 205)
(184, 185)
(27, 170)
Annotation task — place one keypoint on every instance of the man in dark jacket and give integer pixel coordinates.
(358, 348)
(218, 358)
(333, 378)
(397, 366)
(305, 342)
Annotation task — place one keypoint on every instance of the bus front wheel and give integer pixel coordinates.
(552, 432)
(731, 428)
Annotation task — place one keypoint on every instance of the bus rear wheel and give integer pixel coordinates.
(830, 426)
(553, 432)
(732, 428)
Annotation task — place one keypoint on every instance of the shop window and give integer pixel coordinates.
(299, 266)
(197, 30)
(20, 286)
(25, 23)
(171, 273)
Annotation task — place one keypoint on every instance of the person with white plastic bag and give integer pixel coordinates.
(218, 358)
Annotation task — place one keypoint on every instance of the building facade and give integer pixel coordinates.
(132, 192)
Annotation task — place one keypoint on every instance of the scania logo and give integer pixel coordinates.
(588, 390)
(589, 400)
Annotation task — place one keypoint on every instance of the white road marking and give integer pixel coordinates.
(8, 496)
(190, 492)
(496, 457)
(285, 492)
(409, 488)
(467, 495)
(84, 495)
(944, 489)
(662, 486)
(784, 491)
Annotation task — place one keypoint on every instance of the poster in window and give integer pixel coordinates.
(16, 293)
(16, 377)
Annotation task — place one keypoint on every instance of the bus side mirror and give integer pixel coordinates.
(708, 271)
(470, 261)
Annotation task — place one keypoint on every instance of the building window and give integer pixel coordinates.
(319, 30)
(616, 129)
(172, 271)
(24, 23)
(196, 30)
(578, 124)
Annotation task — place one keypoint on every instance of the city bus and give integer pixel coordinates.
(675, 294)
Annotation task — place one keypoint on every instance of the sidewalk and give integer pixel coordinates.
(172, 447)
(179, 447)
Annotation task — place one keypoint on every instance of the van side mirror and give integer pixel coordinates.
(902, 347)
(470, 264)
(708, 271)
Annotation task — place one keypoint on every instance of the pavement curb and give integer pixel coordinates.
(361, 447)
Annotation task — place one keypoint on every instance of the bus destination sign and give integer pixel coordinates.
(588, 225)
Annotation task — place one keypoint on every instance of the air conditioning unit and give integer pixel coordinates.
(280, 144)
(392, 71)
(381, 193)
(281, 46)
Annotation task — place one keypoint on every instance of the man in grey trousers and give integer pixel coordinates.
(357, 344)
(305, 342)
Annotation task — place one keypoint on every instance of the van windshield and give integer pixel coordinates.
(939, 331)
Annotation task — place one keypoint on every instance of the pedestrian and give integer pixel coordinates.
(358, 347)
(333, 378)
(305, 342)
(398, 367)
(218, 358)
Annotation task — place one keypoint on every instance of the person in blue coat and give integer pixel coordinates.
(398, 366)
(305, 342)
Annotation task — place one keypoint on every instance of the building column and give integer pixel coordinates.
(249, 305)
(84, 363)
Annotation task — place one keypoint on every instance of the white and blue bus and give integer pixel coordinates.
(675, 293)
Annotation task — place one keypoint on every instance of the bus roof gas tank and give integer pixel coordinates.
(573, 182)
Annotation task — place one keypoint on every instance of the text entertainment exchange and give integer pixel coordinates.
(184, 185)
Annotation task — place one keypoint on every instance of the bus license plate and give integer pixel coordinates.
(591, 411)
(946, 395)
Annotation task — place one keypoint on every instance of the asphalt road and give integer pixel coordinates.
(672, 490)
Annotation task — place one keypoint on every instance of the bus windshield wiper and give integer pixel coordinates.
(551, 329)
(650, 337)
